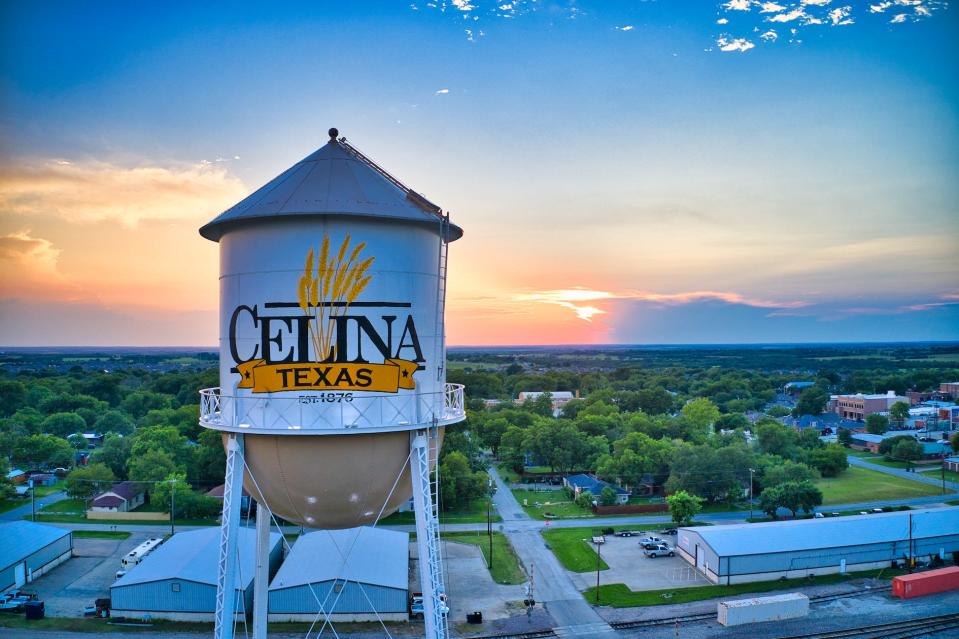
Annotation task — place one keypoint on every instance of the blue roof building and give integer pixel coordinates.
(594, 486)
(28, 550)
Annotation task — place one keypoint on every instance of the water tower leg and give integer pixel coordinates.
(229, 532)
(261, 580)
(427, 538)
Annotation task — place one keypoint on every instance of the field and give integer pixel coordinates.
(555, 502)
(863, 485)
(573, 549)
(506, 568)
(620, 596)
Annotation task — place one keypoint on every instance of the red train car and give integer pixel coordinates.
(926, 583)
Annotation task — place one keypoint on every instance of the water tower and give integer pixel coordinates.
(333, 394)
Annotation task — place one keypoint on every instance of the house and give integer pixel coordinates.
(217, 493)
(860, 406)
(593, 485)
(120, 498)
(43, 479)
(796, 388)
(951, 463)
(559, 398)
(17, 476)
(870, 442)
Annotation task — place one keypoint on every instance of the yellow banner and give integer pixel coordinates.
(387, 377)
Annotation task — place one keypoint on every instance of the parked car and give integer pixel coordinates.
(650, 540)
(417, 609)
(662, 550)
(626, 533)
(10, 602)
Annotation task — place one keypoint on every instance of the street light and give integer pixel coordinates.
(599, 558)
(489, 521)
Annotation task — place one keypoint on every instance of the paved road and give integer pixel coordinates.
(552, 584)
(22, 511)
(898, 472)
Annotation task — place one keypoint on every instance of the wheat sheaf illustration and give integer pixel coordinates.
(327, 291)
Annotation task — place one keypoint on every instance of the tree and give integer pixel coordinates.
(776, 439)
(908, 450)
(152, 465)
(899, 413)
(209, 457)
(540, 405)
(785, 472)
(114, 453)
(78, 441)
(844, 437)
(655, 400)
(777, 410)
(113, 421)
(876, 424)
(87, 481)
(43, 451)
(793, 496)
(607, 496)
(63, 424)
(829, 460)
(459, 484)
(684, 507)
(812, 401)
(584, 500)
(186, 502)
(634, 457)
(13, 395)
(139, 403)
(701, 413)
(887, 445)
(165, 438)
(954, 442)
(512, 451)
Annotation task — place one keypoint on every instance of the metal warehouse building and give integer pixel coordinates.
(374, 581)
(178, 579)
(762, 552)
(28, 550)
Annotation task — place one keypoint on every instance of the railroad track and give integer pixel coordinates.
(892, 630)
(535, 634)
(711, 616)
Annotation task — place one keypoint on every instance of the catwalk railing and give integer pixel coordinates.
(331, 411)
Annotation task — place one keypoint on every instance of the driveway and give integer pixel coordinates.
(20, 512)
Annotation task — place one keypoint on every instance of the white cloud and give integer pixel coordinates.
(770, 36)
(29, 267)
(738, 5)
(93, 191)
(442, 91)
(840, 16)
(734, 44)
(817, 3)
(627, 27)
(771, 7)
(722, 21)
(789, 16)
(898, 19)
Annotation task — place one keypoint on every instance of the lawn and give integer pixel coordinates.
(938, 473)
(65, 506)
(475, 513)
(555, 502)
(574, 550)
(620, 596)
(863, 485)
(506, 568)
(100, 534)
(507, 474)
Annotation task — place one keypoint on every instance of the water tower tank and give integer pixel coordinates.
(332, 290)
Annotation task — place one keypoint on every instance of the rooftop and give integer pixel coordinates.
(374, 556)
(192, 556)
(334, 180)
(593, 484)
(125, 489)
(809, 534)
(21, 538)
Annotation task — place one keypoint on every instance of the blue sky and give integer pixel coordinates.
(801, 189)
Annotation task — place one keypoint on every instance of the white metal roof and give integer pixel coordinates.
(379, 557)
(193, 556)
(20, 539)
(334, 180)
(830, 532)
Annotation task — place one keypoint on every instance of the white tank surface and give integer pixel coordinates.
(759, 609)
(332, 290)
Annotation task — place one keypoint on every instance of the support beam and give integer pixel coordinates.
(229, 532)
(261, 580)
(427, 538)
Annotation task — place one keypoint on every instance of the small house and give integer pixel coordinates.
(593, 485)
(120, 498)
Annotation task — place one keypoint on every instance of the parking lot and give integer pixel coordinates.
(68, 588)
(628, 565)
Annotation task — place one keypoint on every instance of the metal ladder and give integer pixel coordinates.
(427, 533)
(229, 531)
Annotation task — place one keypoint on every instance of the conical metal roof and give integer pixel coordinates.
(335, 180)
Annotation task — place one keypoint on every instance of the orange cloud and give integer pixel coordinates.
(29, 267)
(94, 191)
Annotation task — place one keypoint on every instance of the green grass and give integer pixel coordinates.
(100, 534)
(620, 596)
(951, 475)
(506, 568)
(507, 474)
(556, 502)
(574, 550)
(475, 513)
(863, 485)
(65, 506)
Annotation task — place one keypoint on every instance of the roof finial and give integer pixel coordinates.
(333, 133)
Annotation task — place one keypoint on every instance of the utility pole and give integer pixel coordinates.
(489, 521)
(599, 555)
(33, 500)
(172, 505)
(751, 471)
